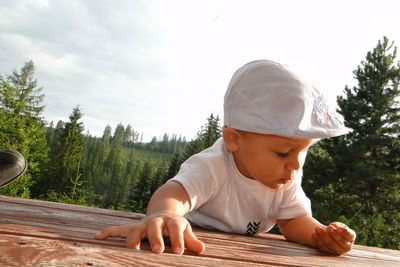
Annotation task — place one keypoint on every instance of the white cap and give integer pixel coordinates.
(266, 97)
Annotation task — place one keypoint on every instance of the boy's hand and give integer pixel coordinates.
(154, 227)
(336, 238)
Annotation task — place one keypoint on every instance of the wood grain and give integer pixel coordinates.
(40, 233)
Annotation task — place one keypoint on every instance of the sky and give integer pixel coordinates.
(163, 66)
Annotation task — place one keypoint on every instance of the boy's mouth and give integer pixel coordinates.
(287, 179)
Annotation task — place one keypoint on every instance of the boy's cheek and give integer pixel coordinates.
(302, 157)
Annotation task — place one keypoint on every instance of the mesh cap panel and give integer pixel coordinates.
(266, 97)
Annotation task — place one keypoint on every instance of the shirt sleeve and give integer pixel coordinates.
(197, 179)
(295, 203)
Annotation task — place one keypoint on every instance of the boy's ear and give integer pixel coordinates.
(232, 139)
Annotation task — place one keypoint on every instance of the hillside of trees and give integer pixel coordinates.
(353, 178)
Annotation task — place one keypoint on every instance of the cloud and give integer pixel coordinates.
(86, 52)
(163, 66)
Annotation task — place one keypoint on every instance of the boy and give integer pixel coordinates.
(250, 178)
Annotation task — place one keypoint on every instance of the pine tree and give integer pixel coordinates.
(64, 168)
(130, 176)
(158, 178)
(21, 126)
(141, 192)
(173, 167)
(372, 168)
(98, 178)
(211, 131)
(361, 169)
(128, 135)
(206, 137)
(25, 99)
(113, 168)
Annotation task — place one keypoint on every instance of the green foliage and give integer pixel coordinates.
(174, 166)
(20, 94)
(64, 168)
(378, 230)
(206, 137)
(21, 126)
(141, 191)
(168, 144)
(112, 167)
(359, 172)
(158, 178)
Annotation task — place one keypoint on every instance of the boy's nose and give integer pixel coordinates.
(294, 164)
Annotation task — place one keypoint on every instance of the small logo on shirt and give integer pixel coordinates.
(252, 228)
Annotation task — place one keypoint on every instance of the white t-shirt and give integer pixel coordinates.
(223, 199)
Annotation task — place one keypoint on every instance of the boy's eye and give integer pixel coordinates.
(282, 155)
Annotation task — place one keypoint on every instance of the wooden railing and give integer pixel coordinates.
(40, 233)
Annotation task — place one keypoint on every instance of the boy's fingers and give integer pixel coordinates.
(347, 234)
(329, 242)
(321, 245)
(191, 241)
(134, 238)
(175, 230)
(342, 242)
(103, 234)
(113, 231)
(154, 234)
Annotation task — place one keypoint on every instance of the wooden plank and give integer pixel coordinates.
(55, 224)
(68, 207)
(229, 252)
(30, 251)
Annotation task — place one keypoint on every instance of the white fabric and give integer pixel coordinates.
(266, 97)
(223, 199)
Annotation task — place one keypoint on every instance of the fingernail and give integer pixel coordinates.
(156, 248)
(177, 250)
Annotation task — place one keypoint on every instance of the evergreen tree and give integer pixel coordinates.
(128, 136)
(372, 167)
(91, 145)
(64, 168)
(206, 137)
(50, 133)
(211, 131)
(98, 177)
(130, 176)
(21, 126)
(362, 169)
(113, 168)
(118, 136)
(141, 192)
(158, 178)
(173, 167)
(25, 98)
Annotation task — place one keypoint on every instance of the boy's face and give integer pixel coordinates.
(270, 159)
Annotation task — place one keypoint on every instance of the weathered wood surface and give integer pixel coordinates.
(39, 233)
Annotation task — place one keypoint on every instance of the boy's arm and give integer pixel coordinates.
(335, 238)
(171, 197)
(164, 217)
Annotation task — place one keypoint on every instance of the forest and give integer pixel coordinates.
(353, 178)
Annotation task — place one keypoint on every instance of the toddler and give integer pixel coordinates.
(250, 179)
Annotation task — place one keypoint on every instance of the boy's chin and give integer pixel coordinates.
(275, 186)
(279, 183)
